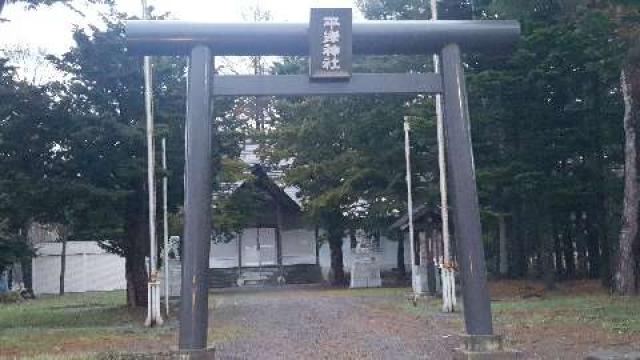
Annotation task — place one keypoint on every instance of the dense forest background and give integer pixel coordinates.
(553, 124)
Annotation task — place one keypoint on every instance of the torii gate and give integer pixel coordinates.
(329, 40)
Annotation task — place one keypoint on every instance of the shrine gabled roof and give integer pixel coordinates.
(279, 193)
(420, 213)
(249, 156)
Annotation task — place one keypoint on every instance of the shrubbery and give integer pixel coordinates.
(11, 297)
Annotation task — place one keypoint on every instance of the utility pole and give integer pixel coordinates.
(447, 266)
(153, 289)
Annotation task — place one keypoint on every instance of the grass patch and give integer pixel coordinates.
(73, 323)
(63, 357)
(85, 326)
(277, 293)
(613, 314)
(220, 334)
(430, 310)
(73, 310)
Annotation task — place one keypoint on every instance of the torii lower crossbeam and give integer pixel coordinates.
(299, 85)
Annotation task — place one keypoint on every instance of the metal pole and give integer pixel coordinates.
(165, 218)
(448, 278)
(197, 202)
(407, 154)
(152, 301)
(466, 211)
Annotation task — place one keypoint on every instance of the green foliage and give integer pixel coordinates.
(547, 131)
(13, 248)
(29, 159)
(347, 154)
(415, 9)
(340, 156)
(11, 297)
(27, 148)
(545, 124)
(107, 139)
(74, 152)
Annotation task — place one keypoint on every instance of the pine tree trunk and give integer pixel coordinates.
(502, 235)
(135, 269)
(538, 238)
(27, 262)
(597, 209)
(557, 248)
(27, 274)
(137, 248)
(593, 246)
(337, 265)
(400, 257)
(569, 258)
(428, 261)
(353, 238)
(548, 267)
(625, 266)
(63, 261)
(581, 249)
(519, 249)
(606, 263)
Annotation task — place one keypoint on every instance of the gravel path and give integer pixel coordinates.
(327, 324)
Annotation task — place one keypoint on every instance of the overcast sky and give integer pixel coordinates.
(50, 28)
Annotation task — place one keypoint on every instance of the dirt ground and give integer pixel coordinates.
(312, 324)
(326, 323)
(382, 324)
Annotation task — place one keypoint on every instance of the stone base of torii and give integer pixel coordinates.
(485, 347)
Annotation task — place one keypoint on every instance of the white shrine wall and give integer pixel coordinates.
(88, 268)
(386, 256)
(298, 247)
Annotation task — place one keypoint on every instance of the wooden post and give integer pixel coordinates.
(466, 210)
(194, 309)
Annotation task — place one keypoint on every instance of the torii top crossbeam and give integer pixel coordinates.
(148, 37)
